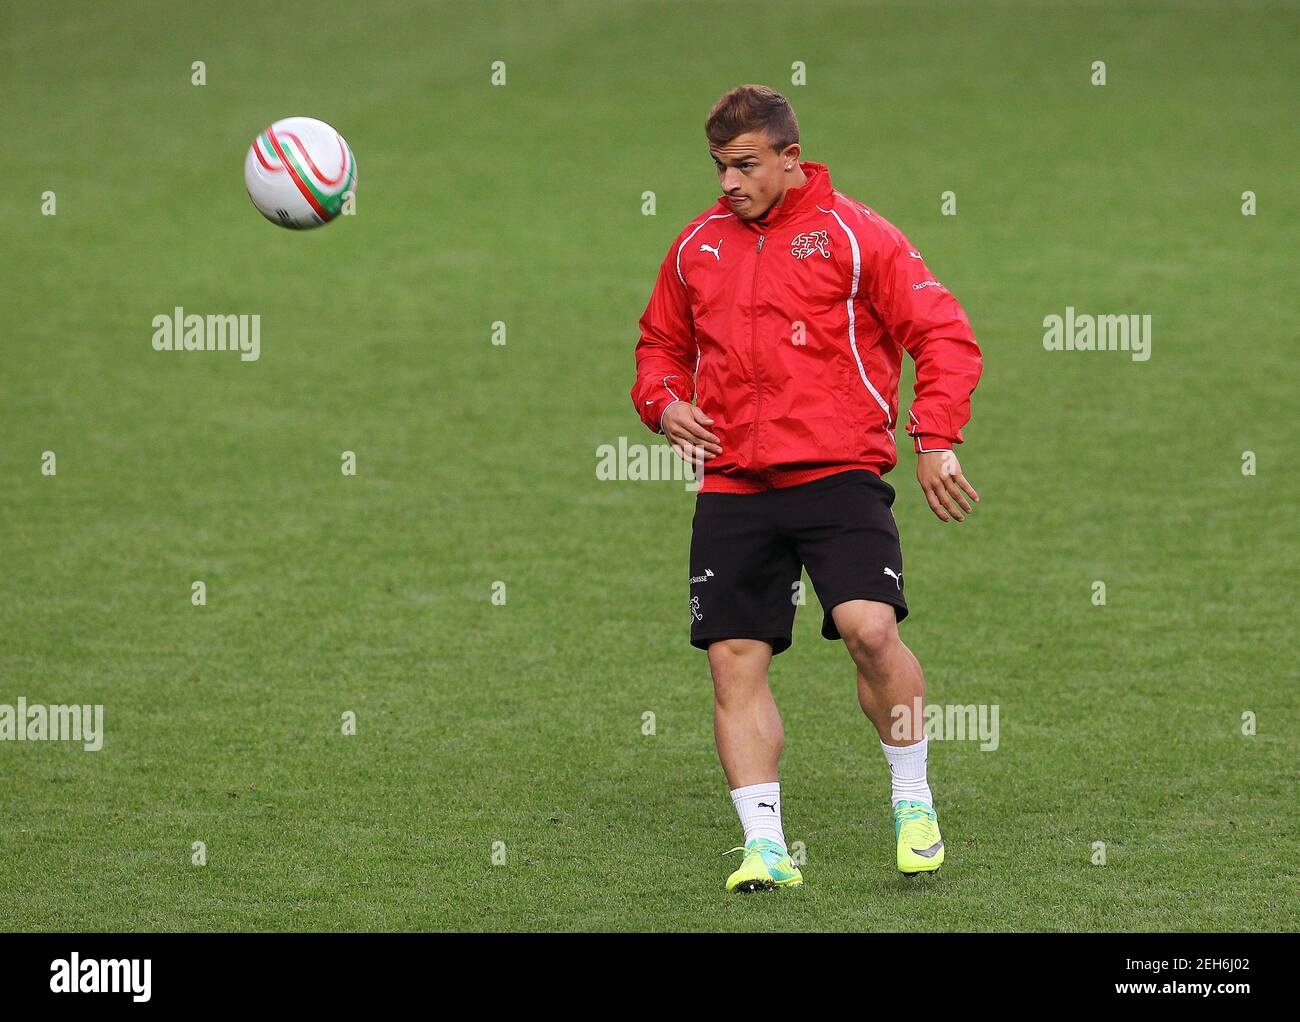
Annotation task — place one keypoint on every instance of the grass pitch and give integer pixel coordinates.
(521, 723)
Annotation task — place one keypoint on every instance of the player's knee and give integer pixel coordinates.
(738, 665)
(872, 635)
(738, 652)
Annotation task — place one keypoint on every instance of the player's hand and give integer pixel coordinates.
(939, 474)
(687, 429)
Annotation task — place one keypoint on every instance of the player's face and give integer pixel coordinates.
(751, 172)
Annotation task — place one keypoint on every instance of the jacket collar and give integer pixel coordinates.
(815, 191)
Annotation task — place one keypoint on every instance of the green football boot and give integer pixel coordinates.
(920, 846)
(766, 866)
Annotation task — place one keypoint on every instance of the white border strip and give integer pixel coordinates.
(853, 338)
(716, 216)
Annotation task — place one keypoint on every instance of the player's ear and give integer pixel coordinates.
(790, 156)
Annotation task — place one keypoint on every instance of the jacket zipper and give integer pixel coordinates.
(753, 351)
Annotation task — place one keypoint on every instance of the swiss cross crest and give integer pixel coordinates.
(804, 245)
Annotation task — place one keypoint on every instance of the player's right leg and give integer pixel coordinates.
(746, 724)
(749, 736)
(742, 611)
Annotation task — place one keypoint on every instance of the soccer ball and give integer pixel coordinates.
(299, 172)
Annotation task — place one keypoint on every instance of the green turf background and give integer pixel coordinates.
(521, 723)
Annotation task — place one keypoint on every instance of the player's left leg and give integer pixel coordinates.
(845, 534)
(891, 692)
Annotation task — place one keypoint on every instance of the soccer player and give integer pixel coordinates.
(769, 357)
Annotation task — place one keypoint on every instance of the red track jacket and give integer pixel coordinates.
(790, 337)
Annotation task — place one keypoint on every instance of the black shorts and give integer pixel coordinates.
(748, 551)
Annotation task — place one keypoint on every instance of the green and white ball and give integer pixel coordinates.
(299, 173)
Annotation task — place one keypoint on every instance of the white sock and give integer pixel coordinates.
(907, 772)
(759, 806)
